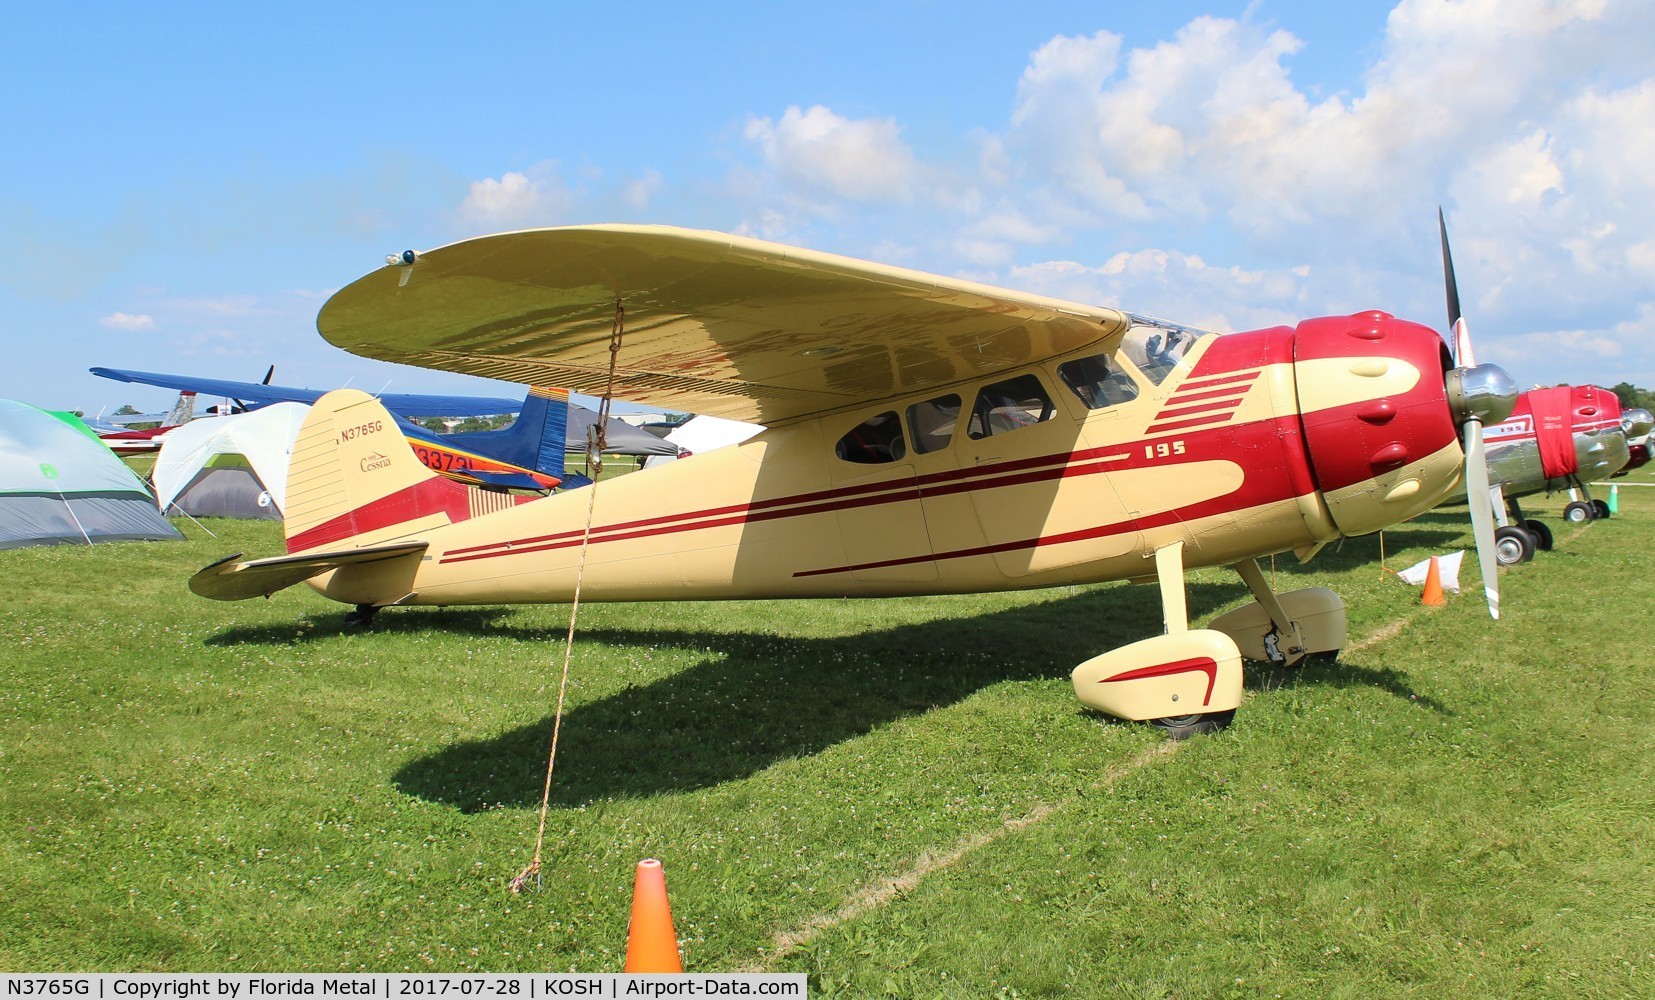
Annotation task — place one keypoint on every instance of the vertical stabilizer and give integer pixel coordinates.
(182, 411)
(354, 481)
(536, 440)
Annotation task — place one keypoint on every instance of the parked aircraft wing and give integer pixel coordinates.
(713, 324)
(255, 394)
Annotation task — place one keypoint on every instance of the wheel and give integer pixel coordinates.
(1600, 508)
(1578, 513)
(1512, 545)
(361, 617)
(1542, 534)
(1182, 727)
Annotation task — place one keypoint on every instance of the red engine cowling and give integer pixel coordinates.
(1378, 427)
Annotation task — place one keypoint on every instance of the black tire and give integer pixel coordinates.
(1512, 545)
(1578, 513)
(1182, 727)
(1542, 534)
(360, 618)
(1600, 508)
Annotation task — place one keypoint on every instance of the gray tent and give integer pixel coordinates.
(60, 485)
(621, 438)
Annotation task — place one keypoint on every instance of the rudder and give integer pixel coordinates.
(354, 481)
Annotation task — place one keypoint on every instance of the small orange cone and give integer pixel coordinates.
(1433, 587)
(651, 944)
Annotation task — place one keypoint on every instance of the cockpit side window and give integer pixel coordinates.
(1163, 351)
(1009, 405)
(1097, 382)
(875, 441)
(931, 423)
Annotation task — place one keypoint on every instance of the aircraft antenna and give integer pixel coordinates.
(597, 439)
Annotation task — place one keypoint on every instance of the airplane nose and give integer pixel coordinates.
(1378, 429)
(1638, 422)
(1484, 392)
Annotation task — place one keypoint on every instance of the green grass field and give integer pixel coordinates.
(901, 797)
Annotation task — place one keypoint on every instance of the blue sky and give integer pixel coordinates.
(185, 184)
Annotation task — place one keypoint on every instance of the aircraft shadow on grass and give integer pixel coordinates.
(764, 698)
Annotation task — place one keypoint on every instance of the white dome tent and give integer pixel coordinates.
(233, 466)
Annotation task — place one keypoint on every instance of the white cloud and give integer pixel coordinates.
(1175, 286)
(128, 322)
(517, 199)
(825, 153)
(637, 192)
(1211, 121)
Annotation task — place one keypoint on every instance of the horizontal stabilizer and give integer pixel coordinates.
(229, 580)
(503, 480)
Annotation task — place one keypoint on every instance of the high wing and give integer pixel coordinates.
(712, 323)
(256, 394)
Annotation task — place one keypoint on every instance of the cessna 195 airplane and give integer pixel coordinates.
(1639, 424)
(1557, 438)
(923, 435)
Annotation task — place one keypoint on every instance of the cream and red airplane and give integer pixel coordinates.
(924, 435)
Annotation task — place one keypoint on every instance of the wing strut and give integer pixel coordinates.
(595, 457)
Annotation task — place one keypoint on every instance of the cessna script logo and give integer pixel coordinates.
(372, 460)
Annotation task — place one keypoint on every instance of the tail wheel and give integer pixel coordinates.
(1182, 727)
(1512, 545)
(1542, 534)
(1578, 512)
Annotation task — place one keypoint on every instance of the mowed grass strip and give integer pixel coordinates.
(192, 785)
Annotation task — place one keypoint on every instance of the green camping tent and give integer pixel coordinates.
(59, 485)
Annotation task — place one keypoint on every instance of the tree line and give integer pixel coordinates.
(1632, 396)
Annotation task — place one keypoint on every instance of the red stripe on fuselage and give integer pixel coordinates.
(1266, 487)
(1227, 406)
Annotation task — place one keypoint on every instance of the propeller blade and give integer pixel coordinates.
(272, 370)
(1454, 313)
(1482, 512)
(1460, 334)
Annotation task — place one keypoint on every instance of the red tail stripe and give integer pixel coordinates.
(429, 496)
(1202, 664)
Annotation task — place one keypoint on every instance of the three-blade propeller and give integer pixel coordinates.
(1479, 394)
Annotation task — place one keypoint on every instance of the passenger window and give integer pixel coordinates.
(931, 423)
(874, 441)
(1097, 383)
(1006, 406)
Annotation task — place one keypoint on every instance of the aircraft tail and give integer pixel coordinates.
(182, 411)
(353, 481)
(536, 439)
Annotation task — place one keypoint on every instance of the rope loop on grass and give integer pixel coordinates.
(616, 331)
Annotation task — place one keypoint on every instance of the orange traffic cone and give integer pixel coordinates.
(1433, 587)
(651, 944)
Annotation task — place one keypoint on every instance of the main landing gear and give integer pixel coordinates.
(361, 616)
(1578, 511)
(1518, 538)
(1189, 680)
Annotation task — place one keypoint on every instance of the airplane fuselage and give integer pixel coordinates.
(1250, 444)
